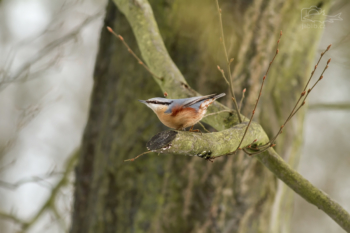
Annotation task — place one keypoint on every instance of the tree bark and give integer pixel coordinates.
(178, 193)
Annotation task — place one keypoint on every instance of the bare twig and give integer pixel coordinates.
(240, 104)
(309, 91)
(12, 218)
(132, 53)
(34, 179)
(50, 204)
(296, 108)
(204, 127)
(257, 101)
(23, 72)
(223, 75)
(328, 106)
(215, 113)
(228, 63)
(133, 159)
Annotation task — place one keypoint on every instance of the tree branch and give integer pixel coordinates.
(209, 145)
(329, 106)
(213, 145)
(304, 188)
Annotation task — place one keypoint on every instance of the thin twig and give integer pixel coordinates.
(215, 113)
(295, 109)
(240, 104)
(133, 159)
(50, 203)
(257, 101)
(327, 106)
(204, 127)
(23, 71)
(13, 218)
(228, 63)
(34, 179)
(223, 75)
(309, 91)
(132, 53)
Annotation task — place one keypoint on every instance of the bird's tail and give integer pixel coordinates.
(219, 95)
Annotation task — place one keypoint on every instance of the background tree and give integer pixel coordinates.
(234, 194)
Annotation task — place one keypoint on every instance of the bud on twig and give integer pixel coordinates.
(244, 90)
(329, 60)
(231, 60)
(308, 91)
(264, 77)
(281, 33)
(277, 51)
(329, 46)
(321, 77)
(303, 93)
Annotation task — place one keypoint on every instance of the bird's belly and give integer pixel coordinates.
(182, 119)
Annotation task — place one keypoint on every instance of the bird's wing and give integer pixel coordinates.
(202, 98)
(191, 101)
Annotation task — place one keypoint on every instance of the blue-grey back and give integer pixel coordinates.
(182, 102)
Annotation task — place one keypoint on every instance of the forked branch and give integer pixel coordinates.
(303, 94)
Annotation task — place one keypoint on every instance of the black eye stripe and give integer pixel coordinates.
(158, 102)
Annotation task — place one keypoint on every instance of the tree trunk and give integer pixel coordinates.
(171, 193)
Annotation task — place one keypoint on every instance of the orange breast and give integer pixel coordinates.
(180, 117)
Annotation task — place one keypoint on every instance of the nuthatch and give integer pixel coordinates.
(181, 113)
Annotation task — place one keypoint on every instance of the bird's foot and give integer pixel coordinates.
(195, 130)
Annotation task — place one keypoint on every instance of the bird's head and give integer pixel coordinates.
(157, 104)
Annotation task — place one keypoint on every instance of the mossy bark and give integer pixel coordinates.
(178, 193)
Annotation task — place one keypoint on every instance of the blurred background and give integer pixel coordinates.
(48, 51)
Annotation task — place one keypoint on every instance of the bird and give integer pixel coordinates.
(179, 114)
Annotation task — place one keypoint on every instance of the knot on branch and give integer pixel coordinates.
(160, 140)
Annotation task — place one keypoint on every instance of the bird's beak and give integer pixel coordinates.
(143, 101)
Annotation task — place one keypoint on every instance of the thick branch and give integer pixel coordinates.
(213, 145)
(304, 188)
(209, 145)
